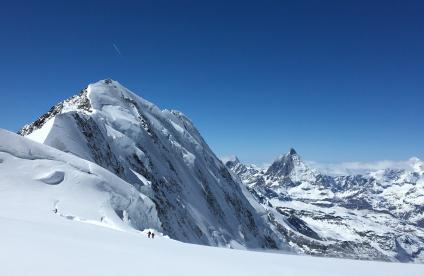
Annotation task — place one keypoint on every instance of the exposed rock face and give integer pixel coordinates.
(374, 216)
(284, 165)
(80, 102)
(162, 155)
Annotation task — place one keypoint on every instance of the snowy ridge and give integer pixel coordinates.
(162, 155)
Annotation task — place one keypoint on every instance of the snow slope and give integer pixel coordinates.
(62, 215)
(37, 180)
(64, 247)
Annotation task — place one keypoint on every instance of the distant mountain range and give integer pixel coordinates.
(378, 215)
(175, 184)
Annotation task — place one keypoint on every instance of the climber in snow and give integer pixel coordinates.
(148, 234)
(153, 235)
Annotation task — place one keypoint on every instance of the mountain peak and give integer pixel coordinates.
(286, 163)
(292, 151)
(108, 81)
(163, 157)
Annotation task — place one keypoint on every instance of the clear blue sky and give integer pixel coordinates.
(337, 80)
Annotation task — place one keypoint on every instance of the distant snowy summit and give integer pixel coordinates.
(378, 215)
(128, 164)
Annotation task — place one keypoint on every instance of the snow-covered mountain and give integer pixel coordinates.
(374, 216)
(191, 195)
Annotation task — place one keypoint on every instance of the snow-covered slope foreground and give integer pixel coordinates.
(378, 216)
(62, 215)
(161, 155)
(69, 248)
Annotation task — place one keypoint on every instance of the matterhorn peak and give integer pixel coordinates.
(284, 164)
(292, 151)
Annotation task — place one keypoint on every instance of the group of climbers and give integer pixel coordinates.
(151, 235)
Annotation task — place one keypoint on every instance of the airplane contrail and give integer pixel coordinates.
(116, 49)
